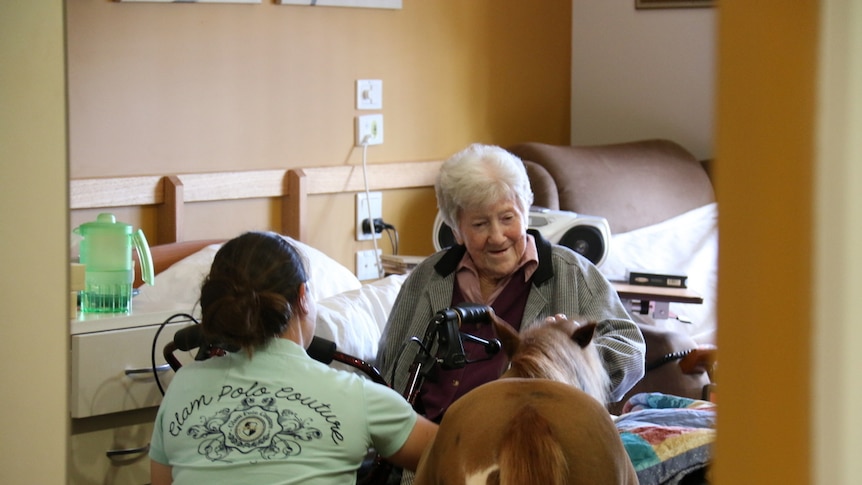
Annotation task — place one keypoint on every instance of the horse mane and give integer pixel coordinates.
(529, 453)
(559, 351)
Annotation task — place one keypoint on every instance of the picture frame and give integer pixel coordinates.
(387, 4)
(650, 4)
(188, 1)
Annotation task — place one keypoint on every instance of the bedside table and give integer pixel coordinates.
(113, 395)
(655, 300)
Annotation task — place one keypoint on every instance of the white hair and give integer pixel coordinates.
(478, 176)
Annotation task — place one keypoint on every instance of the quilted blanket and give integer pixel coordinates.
(667, 437)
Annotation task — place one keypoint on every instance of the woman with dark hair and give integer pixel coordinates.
(268, 413)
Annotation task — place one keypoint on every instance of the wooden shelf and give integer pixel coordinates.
(655, 293)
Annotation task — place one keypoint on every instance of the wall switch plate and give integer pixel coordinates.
(370, 128)
(369, 94)
(368, 266)
(364, 202)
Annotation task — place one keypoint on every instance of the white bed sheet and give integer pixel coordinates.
(687, 244)
(354, 319)
(348, 313)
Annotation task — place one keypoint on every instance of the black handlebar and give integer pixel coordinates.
(445, 328)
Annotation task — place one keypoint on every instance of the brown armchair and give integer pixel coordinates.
(632, 185)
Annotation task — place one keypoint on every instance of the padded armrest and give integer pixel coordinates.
(671, 376)
(545, 192)
(632, 185)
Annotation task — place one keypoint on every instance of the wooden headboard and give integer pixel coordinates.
(170, 193)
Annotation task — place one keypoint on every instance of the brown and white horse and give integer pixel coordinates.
(545, 422)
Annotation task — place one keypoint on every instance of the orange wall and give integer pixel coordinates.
(173, 88)
(765, 157)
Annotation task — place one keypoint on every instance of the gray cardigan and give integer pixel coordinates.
(564, 282)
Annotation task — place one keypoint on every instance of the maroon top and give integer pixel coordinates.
(443, 387)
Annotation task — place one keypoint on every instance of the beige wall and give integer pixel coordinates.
(33, 249)
(172, 88)
(643, 74)
(837, 338)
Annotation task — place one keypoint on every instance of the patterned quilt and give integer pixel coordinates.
(667, 437)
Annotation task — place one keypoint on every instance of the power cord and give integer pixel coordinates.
(378, 226)
(377, 259)
(390, 230)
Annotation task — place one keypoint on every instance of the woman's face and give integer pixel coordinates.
(495, 237)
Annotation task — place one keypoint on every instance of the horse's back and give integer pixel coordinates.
(518, 426)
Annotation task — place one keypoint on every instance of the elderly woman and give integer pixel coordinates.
(484, 196)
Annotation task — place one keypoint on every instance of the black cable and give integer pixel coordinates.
(391, 242)
(378, 226)
(395, 242)
(156, 339)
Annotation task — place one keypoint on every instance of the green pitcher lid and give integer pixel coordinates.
(104, 221)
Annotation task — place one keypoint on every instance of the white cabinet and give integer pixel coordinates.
(112, 371)
(111, 449)
(114, 394)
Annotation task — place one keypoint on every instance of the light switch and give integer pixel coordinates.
(369, 94)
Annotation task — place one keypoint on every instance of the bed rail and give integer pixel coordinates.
(169, 193)
(303, 182)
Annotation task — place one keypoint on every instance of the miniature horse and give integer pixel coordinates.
(535, 425)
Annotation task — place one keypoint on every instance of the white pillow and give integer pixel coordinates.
(179, 285)
(354, 319)
(327, 276)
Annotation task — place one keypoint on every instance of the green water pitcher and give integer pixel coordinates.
(109, 270)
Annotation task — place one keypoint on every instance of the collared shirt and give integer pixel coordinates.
(277, 418)
(468, 275)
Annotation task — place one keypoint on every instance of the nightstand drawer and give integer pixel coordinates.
(112, 370)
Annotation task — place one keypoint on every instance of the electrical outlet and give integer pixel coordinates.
(369, 94)
(368, 264)
(369, 128)
(364, 202)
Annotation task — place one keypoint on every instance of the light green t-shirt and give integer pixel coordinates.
(276, 418)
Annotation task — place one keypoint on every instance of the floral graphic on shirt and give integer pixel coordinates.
(253, 426)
